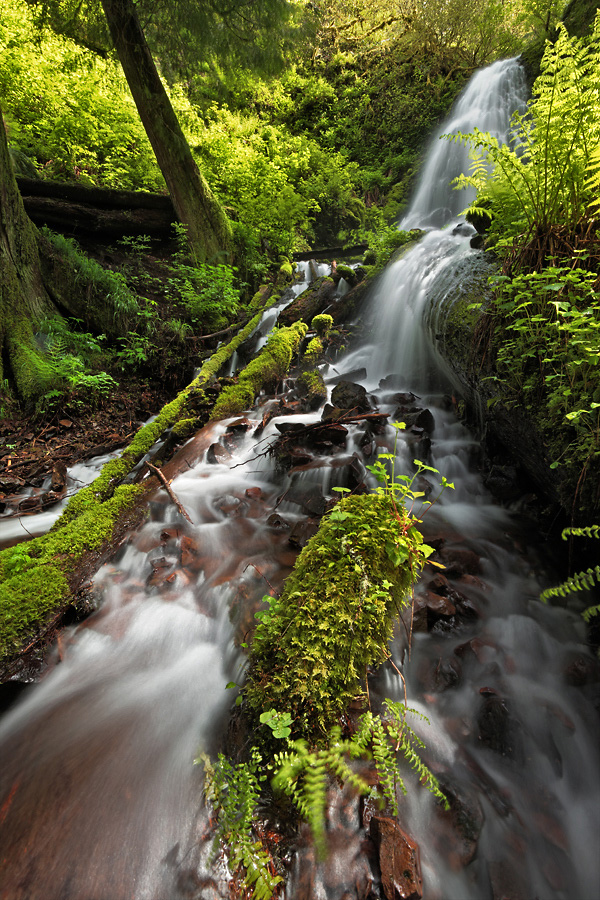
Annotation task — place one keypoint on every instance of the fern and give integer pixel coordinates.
(581, 581)
(233, 791)
(304, 776)
(550, 175)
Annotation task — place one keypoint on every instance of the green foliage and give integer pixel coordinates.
(233, 791)
(208, 294)
(304, 774)
(581, 581)
(547, 179)
(387, 735)
(549, 348)
(384, 241)
(104, 289)
(313, 644)
(68, 110)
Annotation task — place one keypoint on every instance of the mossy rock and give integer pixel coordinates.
(336, 615)
(264, 371)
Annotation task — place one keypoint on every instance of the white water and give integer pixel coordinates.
(98, 796)
(488, 102)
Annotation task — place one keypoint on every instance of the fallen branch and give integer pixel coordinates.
(156, 471)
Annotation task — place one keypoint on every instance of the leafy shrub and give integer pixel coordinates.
(69, 110)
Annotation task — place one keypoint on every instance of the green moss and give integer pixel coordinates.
(312, 647)
(347, 273)
(286, 269)
(184, 428)
(312, 354)
(27, 601)
(313, 387)
(322, 324)
(270, 366)
(34, 576)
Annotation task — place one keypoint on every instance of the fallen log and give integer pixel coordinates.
(47, 578)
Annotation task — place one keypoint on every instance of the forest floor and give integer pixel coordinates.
(41, 444)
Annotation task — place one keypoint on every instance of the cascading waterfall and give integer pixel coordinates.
(98, 796)
(488, 103)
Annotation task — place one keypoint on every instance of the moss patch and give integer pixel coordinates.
(270, 366)
(314, 643)
(34, 577)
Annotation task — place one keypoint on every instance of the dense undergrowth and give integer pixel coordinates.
(541, 203)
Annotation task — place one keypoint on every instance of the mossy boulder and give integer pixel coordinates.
(336, 615)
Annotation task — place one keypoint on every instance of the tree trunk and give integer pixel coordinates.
(23, 297)
(209, 231)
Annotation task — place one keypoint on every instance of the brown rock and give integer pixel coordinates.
(460, 561)
(399, 860)
(302, 532)
(216, 453)
(59, 477)
(349, 395)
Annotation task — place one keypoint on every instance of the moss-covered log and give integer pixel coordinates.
(313, 645)
(264, 371)
(42, 578)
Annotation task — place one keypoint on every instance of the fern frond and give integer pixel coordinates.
(589, 613)
(581, 581)
(591, 531)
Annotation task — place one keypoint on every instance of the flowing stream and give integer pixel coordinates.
(99, 799)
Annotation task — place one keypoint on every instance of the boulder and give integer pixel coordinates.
(399, 860)
(349, 395)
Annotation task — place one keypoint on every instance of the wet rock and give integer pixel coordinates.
(230, 505)
(239, 426)
(350, 473)
(290, 427)
(191, 557)
(417, 418)
(51, 497)
(254, 493)
(216, 453)
(503, 483)
(465, 820)
(355, 374)
(302, 532)
(328, 434)
(294, 458)
(497, 729)
(278, 523)
(447, 674)
(349, 395)
(58, 478)
(429, 608)
(399, 860)
(581, 671)
(310, 498)
(30, 504)
(477, 649)
(393, 383)
(460, 561)
(507, 881)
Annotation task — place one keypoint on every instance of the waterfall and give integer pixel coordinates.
(488, 103)
(99, 799)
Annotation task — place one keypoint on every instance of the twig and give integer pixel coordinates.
(262, 575)
(156, 471)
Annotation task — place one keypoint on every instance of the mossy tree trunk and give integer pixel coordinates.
(209, 231)
(23, 296)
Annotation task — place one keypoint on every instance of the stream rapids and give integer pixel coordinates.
(99, 797)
